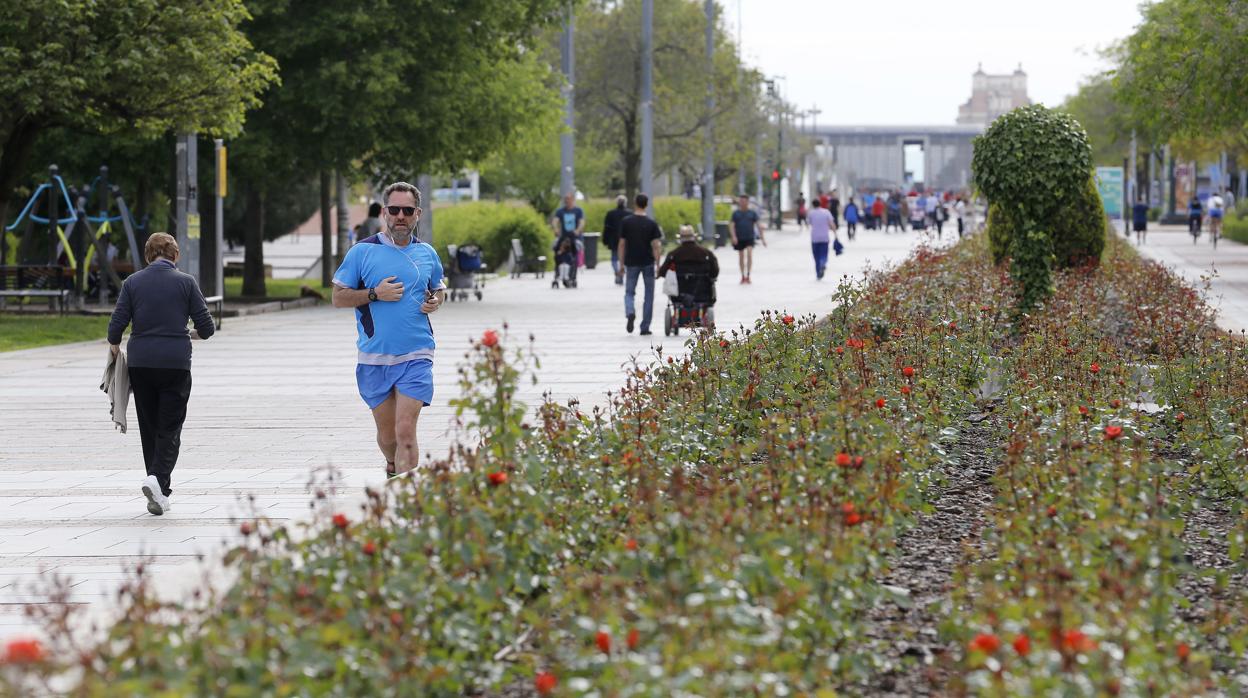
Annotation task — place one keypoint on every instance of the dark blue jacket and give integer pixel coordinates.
(159, 299)
(1139, 214)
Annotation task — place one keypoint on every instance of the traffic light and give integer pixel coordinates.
(775, 175)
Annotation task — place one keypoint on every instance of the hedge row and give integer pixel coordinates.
(492, 226)
(670, 212)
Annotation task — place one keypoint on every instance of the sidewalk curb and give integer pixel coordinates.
(269, 307)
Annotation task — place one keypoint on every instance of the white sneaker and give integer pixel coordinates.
(157, 503)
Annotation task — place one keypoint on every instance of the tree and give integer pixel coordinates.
(1096, 106)
(140, 67)
(386, 89)
(608, 88)
(1184, 71)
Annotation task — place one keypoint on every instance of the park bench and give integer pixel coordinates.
(217, 302)
(521, 263)
(34, 281)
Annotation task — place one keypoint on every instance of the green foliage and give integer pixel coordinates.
(1095, 106)
(1236, 228)
(492, 226)
(1182, 71)
(608, 89)
(1031, 163)
(670, 212)
(141, 67)
(1078, 229)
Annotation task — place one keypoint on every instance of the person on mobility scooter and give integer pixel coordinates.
(696, 268)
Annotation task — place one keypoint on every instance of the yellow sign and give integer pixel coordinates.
(192, 226)
(222, 187)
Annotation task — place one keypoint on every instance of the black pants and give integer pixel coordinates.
(160, 396)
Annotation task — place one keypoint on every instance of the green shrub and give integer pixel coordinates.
(1078, 229)
(1236, 228)
(1032, 162)
(492, 226)
(670, 212)
(10, 250)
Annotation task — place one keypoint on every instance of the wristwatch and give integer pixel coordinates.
(372, 294)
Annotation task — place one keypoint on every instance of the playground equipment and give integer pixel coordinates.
(74, 235)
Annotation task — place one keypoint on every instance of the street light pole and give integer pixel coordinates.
(647, 99)
(567, 139)
(708, 186)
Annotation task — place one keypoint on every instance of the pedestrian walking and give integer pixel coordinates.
(940, 215)
(371, 225)
(611, 233)
(641, 248)
(894, 215)
(394, 282)
(834, 207)
(569, 220)
(851, 218)
(743, 231)
(801, 210)
(821, 232)
(959, 210)
(1139, 220)
(877, 211)
(156, 303)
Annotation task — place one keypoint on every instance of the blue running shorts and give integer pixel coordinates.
(412, 378)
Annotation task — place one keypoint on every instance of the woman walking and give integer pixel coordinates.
(156, 302)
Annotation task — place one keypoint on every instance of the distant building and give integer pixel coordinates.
(993, 95)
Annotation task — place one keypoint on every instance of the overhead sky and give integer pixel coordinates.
(910, 62)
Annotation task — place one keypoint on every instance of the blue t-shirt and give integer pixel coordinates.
(743, 223)
(391, 332)
(569, 218)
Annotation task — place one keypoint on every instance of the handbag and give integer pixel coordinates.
(837, 247)
(671, 285)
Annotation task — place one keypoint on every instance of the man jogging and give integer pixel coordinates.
(743, 230)
(393, 281)
(640, 249)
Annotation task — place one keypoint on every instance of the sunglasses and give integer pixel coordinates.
(405, 210)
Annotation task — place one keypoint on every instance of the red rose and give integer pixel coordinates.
(497, 478)
(985, 308)
(787, 319)
(1022, 645)
(1115, 403)
(489, 338)
(1180, 417)
(1077, 641)
(986, 643)
(28, 651)
(1083, 410)
(1183, 651)
(880, 402)
(341, 520)
(847, 508)
(843, 459)
(1112, 432)
(545, 682)
(905, 390)
(953, 325)
(634, 639)
(840, 351)
(908, 371)
(1052, 511)
(245, 528)
(369, 547)
(630, 544)
(1095, 367)
(853, 519)
(396, 618)
(603, 640)
(723, 343)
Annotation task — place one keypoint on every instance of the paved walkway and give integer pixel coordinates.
(274, 399)
(1226, 267)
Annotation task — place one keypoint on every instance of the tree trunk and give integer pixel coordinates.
(253, 245)
(14, 154)
(327, 229)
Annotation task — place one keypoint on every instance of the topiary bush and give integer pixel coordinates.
(1031, 163)
(1078, 229)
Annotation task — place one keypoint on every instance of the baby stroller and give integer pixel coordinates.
(694, 306)
(565, 262)
(464, 273)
